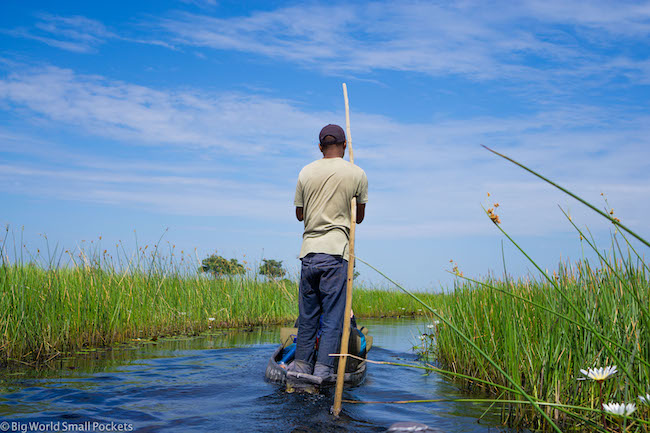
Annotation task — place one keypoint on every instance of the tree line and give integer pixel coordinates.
(220, 266)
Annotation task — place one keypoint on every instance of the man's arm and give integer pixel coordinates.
(362, 196)
(299, 215)
(361, 212)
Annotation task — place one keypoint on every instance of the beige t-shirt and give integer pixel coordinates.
(324, 191)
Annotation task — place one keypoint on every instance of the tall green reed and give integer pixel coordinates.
(92, 297)
(469, 342)
(545, 330)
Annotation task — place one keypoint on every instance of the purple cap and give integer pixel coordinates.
(334, 131)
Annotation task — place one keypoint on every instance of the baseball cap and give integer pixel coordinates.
(334, 131)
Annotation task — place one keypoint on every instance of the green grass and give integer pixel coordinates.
(526, 340)
(540, 340)
(93, 300)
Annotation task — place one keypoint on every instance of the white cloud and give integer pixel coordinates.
(628, 18)
(246, 125)
(325, 36)
(74, 33)
(233, 122)
(174, 194)
(524, 41)
(227, 160)
(201, 3)
(542, 43)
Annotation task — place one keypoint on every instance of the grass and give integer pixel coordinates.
(526, 341)
(541, 341)
(538, 334)
(90, 299)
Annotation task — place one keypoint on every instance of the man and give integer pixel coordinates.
(323, 200)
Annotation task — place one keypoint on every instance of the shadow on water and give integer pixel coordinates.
(215, 382)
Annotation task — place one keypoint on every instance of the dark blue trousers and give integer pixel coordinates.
(322, 291)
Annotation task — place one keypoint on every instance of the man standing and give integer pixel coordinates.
(323, 200)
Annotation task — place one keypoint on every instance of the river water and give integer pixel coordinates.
(215, 382)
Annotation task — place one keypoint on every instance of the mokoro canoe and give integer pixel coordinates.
(355, 371)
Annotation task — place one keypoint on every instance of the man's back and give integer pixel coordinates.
(325, 189)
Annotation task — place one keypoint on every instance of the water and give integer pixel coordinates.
(216, 383)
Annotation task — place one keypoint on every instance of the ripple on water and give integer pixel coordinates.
(191, 387)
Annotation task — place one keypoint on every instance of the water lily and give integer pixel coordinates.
(211, 319)
(599, 374)
(620, 409)
(645, 399)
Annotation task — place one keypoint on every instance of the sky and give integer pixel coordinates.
(190, 120)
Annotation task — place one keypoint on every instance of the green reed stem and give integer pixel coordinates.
(550, 310)
(429, 367)
(587, 323)
(471, 343)
(623, 281)
(564, 190)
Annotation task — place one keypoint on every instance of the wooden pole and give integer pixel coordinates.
(345, 338)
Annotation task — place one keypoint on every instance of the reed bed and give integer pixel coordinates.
(90, 299)
(540, 340)
(568, 350)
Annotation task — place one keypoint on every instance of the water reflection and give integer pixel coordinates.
(215, 383)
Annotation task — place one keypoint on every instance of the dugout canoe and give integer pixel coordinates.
(355, 371)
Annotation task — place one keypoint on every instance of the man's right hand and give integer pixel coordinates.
(361, 212)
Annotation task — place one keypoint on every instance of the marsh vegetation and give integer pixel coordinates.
(60, 302)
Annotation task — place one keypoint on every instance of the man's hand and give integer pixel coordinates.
(299, 215)
(361, 212)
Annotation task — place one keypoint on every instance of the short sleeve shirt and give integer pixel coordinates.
(325, 190)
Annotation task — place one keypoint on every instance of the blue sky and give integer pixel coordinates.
(124, 119)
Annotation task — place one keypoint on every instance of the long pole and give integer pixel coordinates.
(345, 338)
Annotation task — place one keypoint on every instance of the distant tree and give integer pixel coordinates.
(272, 268)
(218, 266)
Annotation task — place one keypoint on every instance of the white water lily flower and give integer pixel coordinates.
(211, 319)
(599, 374)
(620, 409)
(645, 400)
